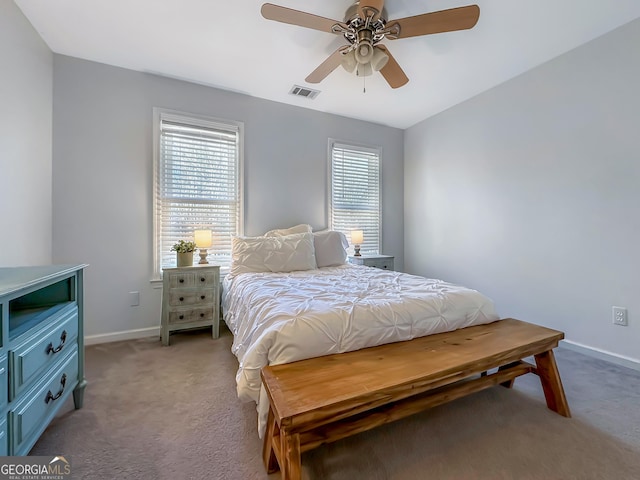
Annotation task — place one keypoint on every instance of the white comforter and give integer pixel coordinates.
(283, 317)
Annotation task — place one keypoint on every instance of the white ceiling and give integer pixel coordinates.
(227, 44)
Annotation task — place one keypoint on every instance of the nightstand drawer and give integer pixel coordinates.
(180, 280)
(191, 315)
(179, 297)
(383, 263)
(192, 279)
(35, 355)
(28, 418)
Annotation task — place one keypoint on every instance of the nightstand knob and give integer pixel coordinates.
(201, 297)
(202, 314)
(182, 299)
(202, 279)
(181, 317)
(181, 280)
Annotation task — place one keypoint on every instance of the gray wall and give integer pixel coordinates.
(530, 192)
(102, 167)
(25, 141)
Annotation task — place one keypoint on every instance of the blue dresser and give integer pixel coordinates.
(41, 350)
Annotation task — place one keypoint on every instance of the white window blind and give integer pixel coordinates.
(355, 192)
(198, 172)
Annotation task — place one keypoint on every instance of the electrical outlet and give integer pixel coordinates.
(620, 316)
(134, 299)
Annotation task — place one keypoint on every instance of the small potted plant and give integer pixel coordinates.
(184, 252)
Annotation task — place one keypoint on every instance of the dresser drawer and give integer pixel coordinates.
(179, 297)
(4, 439)
(35, 409)
(191, 315)
(35, 355)
(4, 380)
(192, 279)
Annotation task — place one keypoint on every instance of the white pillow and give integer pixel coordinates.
(281, 232)
(331, 248)
(273, 254)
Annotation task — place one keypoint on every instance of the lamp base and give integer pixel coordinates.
(203, 256)
(356, 250)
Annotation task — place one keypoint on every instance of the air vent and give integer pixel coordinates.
(304, 92)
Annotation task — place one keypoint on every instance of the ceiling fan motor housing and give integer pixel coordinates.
(352, 14)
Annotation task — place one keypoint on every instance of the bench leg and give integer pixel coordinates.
(268, 455)
(547, 370)
(508, 383)
(290, 453)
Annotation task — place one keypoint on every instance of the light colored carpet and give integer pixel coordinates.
(155, 412)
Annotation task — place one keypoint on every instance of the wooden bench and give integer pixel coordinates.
(324, 399)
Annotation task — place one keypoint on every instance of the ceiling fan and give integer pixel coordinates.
(365, 25)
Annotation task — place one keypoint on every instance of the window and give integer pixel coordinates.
(197, 184)
(354, 200)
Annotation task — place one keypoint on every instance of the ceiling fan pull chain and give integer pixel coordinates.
(364, 84)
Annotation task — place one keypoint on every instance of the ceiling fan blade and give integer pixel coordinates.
(461, 18)
(365, 6)
(325, 68)
(296, 17)
(392, 73)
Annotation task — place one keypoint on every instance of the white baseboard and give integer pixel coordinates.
(119, 336)
(602, 354)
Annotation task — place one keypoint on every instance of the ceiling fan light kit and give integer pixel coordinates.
(349, 62)
(379, 59)
(364, 70)
(365, 25)
(364, 52)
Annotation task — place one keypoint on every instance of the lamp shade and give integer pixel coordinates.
(364, 69)
(379, 59)
(364, 52)
(357, 237)
(202, 238)
(349, 61)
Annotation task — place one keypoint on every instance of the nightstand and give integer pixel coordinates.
(190, 299)
(385, 262)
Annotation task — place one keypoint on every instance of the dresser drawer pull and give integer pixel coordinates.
(50, 396)
(181, 280)
(202, 279)
(201, 297)
(182, 299)
(63, 338)
(202, 314)
(181, 317)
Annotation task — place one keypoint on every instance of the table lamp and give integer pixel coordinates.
(203, 241)
(357, 237)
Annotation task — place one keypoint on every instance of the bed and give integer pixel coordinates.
(292, 296)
